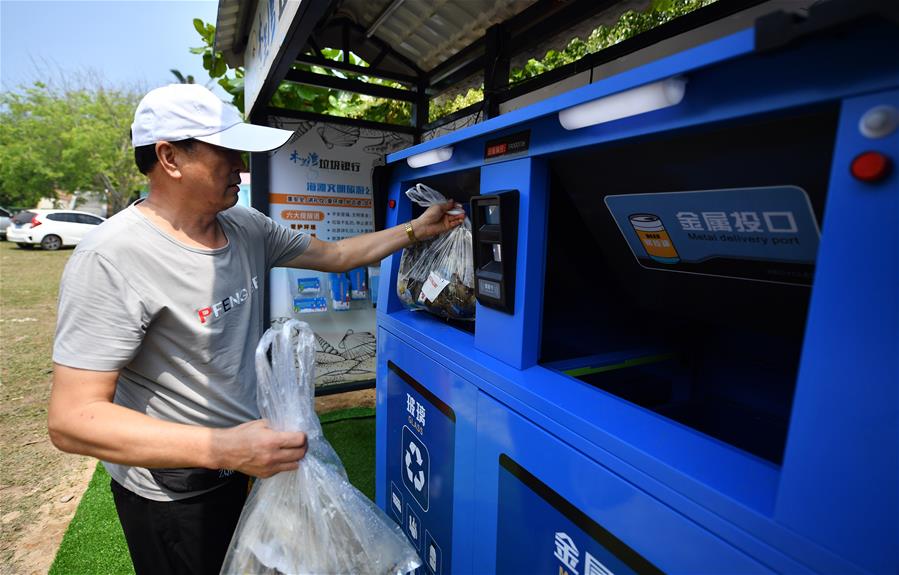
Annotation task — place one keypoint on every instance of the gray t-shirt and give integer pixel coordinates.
(180, 323)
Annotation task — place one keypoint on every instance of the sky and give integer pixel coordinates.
(129, 44)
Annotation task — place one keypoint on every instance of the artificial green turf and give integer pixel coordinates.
(94, 542)
(351, 433)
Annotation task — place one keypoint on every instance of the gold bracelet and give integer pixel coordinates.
(410, 232)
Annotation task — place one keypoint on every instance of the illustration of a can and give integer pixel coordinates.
(654, 238)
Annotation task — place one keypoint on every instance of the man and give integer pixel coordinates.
(160, 310)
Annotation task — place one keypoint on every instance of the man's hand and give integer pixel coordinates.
(255, 449)
(436, 220)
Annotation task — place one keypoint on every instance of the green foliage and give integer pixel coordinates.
(214, 63)
(66, 139)
(441, 109)
(629, 25)
(182, 79)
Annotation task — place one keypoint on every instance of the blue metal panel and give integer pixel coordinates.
(669, 541)
(388, 301)
(460, 396)
(657, 455)
(714, 52)
(515, 339)
(840, 482)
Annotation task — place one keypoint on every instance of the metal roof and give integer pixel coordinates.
(232, 28)
(426, 32)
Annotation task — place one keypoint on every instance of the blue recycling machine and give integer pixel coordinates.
(684, 352)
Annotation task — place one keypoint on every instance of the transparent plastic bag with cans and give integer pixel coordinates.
(438, 274)
(310, 520)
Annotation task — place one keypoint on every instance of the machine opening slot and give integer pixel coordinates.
(682, 387)
(716, 351)
(460, 186)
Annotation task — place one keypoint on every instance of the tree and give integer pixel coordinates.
(60, 139)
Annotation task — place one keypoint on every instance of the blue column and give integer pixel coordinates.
(515, 339)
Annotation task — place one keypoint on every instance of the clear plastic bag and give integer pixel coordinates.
(438, 274)
(311, 520)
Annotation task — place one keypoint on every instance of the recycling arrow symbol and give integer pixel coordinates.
(417, 479)
(414, 469)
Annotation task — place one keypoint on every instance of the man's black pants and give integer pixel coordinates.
(189, 536)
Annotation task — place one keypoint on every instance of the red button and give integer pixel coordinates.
(392, 204)
(870, 166)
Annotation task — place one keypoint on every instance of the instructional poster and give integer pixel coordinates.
(321, 184)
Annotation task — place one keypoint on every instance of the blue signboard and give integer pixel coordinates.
(420, 465)
(538, 531)
(765, 234)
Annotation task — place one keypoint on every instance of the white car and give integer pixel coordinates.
(5, 221)
(51, 229)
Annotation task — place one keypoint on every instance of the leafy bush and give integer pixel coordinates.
(629, 25)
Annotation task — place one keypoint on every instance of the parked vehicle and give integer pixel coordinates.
(51, 229)
(5, 222)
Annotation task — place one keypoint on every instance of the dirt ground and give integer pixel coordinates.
(362, 398)
(33, 549)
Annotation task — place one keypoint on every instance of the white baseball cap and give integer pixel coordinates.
(181, 111)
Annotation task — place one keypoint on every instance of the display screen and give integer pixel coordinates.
(491, 214)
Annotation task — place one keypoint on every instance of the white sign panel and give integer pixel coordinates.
(321, 184)
(270, 25)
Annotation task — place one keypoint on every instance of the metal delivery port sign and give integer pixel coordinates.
(764, 234)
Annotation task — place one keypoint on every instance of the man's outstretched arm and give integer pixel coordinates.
(366, 249)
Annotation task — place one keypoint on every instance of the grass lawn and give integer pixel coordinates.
(32, 468)
(94, 542)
